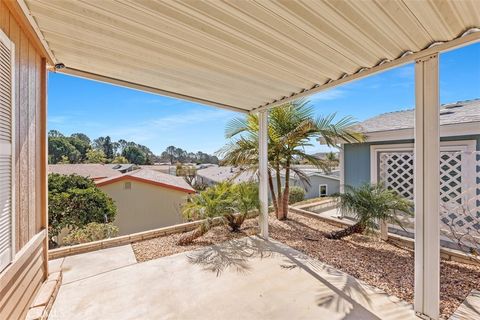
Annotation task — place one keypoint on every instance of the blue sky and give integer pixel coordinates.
(98, 109)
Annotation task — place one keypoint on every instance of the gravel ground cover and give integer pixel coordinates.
(375, 262)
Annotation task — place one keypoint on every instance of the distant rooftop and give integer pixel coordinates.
(94, 171)
(152, 177)
(122, 167)
(452, 113)
(235, 175)
(224, 173)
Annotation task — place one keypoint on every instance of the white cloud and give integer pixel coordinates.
(151, 129)
(331, 94)
(58, 119)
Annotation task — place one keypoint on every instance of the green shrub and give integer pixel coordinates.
(91, 232)
(75, 201)
(296, 194)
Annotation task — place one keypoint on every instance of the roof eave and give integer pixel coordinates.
(446, 130)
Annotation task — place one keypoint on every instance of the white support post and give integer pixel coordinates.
(427, 193)
(263, 172)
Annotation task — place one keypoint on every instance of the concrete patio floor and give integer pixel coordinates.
(241, 279)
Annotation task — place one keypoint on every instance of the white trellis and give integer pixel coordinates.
(459, 185)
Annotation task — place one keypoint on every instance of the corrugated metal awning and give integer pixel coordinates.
(242, 54)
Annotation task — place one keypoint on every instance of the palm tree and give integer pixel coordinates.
(332, 161)
(245, 199)
(370, 204)
(291, 129)
(213, 202)
(232, 202)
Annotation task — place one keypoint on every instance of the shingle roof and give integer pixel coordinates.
(121, 166)
(224, 173)
(453, 113)
(153, 177)
(88, 170)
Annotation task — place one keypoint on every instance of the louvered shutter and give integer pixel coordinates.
(6, 151)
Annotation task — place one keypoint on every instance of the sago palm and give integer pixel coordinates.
(369, 204)
(291, 129)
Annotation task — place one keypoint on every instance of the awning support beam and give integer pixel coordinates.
(263, 172)
(427, 184)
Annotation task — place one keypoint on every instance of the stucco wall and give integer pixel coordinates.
(357, 158)
(144, 206)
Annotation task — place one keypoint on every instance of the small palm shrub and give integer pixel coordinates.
(231, 202)
(244, 199)
(296, 194)
(91, 232)
(370, 204)
(213, 202)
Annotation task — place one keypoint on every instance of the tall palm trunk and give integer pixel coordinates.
(286, 191)
(272, 191)
(279, 191)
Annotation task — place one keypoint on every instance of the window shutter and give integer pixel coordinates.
(7, 151)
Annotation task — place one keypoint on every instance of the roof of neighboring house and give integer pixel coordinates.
(159, 167)
(224, 173)
(151, 177)
(88, 170)
(452, 113)
(236, 175)
(122, 166)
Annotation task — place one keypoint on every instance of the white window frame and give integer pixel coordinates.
(320, 188)
(6, 40)
(467, 146)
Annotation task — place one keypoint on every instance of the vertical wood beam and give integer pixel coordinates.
(263, 172)
(43, 192)
(427, 193)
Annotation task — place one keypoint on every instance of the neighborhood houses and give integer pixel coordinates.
(145, 199)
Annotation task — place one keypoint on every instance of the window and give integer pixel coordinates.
(7, 153)
(322, 190)
(127, 185)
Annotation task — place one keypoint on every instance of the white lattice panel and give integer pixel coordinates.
(459, 186)
(460, 207)
(396, 172)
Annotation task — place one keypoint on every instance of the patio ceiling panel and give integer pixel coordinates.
(242, 55)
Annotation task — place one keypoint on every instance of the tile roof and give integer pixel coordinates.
(88, 170)
(153, 177)
(453, 113)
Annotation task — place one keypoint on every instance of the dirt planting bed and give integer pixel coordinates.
(367, 258)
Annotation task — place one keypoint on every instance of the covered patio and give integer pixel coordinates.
(252, 56)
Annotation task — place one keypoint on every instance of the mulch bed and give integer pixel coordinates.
(367, 258)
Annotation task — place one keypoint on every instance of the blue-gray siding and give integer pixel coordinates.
(357, 158)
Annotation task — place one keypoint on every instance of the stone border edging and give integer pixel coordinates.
(404, 242)
(122, 240)
(131, 238)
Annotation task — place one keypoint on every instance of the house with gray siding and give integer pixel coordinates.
(393, 133)
(387, 157)
(320, 183)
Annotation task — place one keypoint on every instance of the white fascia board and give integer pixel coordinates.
(447, 130)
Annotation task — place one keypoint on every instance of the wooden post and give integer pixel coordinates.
(427, 193)
(263, 171)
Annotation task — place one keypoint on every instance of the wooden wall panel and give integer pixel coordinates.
(28, 94)
(20, 281)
